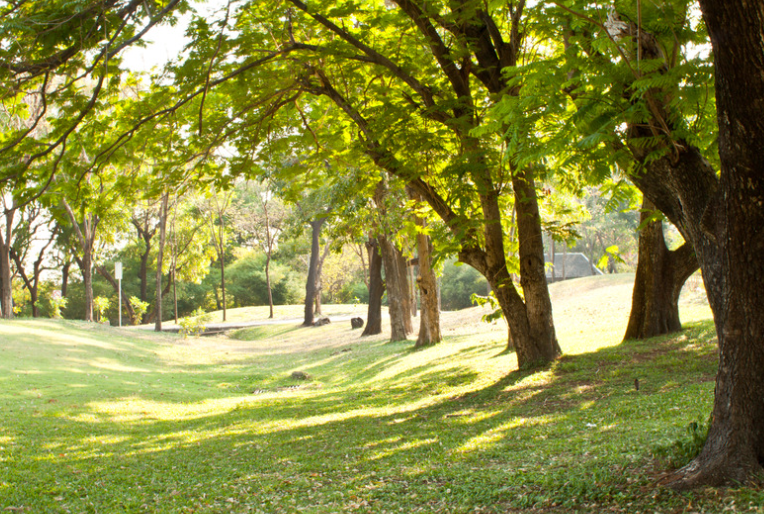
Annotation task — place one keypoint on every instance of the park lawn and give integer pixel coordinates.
(105, 420)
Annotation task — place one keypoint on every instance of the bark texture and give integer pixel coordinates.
(376, 290)
(310, 285)
(397, 307)
(659, 279)
(728, 234)
(429, 319)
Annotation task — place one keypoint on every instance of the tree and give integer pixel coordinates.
(217, 208)
(260, 216)
(661, 273)
(713, 212)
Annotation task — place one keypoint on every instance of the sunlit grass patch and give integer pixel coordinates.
(109, 420)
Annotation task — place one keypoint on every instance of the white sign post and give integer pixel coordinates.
(118, 276)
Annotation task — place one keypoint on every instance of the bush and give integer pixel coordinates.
(195, 324)
(139, 307)
(101, 305)
(57, 304)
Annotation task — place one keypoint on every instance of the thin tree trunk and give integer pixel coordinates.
(401, 266)
(6, 285)
(395, 294)
(658, 282)
(376, 290)
(160, 256)
(6, 289)
(175, 296)
(268, 283)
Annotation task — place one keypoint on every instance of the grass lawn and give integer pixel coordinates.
(106, 420)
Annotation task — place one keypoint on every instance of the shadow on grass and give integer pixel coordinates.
(372, 439)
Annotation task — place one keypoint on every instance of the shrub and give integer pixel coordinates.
(57, 304)
(140, 307)
(101, 304)
(195, 324)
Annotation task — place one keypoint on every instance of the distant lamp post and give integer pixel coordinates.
(118, 276)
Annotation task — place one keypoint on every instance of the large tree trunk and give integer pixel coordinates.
(726, 223)
(310, 285)
(376, 290)
(65, 277)
(429, 319)
(659, 279)
(397, 308)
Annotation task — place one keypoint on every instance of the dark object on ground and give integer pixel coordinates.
(356, 322)
(300, 375)
(321, 322)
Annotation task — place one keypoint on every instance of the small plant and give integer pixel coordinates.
(195, 324)
(101, 305)
(139, 307)
(683, 450)
(57, 304)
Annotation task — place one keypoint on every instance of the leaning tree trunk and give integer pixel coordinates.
(395, 294)
(376, 290)
(659, 279)
(310, 285)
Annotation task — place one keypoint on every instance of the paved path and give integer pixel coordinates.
(217, 328)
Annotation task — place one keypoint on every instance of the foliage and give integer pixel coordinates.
(458, 284)
(140, 307)
(101, 304)
(57, 304)
(195, 324)
(247, 286)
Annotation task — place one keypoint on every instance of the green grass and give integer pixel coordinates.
(97, 419)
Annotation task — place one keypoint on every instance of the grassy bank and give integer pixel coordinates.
(97, 419)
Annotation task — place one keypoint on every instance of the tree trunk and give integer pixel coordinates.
(319, 277)
(376, 290)
(659, 279)
(397, 307)
(6, 289)
(724, 220)
(401, 266)
(65, 277)
(87, 280)
(268, 283)
(541, 344)
(160, 257)
(429, 320)
(6, 285)
(310, 285)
